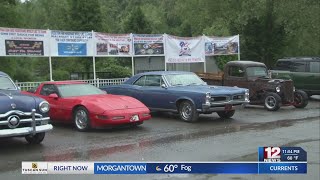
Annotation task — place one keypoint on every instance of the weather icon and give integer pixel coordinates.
(158, 168)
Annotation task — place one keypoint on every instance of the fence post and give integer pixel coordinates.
(98, 82)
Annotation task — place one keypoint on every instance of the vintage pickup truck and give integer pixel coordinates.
(272, 93)
(22, 115)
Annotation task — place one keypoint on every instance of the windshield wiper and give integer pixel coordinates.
(265, 77)
(7, 89)
(193, 84)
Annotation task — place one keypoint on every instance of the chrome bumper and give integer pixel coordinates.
(25, 131)
(215, 107)
(22, 131)
(27, 120)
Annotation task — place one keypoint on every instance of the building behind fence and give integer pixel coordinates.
(96, 82)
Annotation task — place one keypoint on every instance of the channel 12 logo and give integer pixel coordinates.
(271, 154)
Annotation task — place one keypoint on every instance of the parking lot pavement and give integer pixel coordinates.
(166, 138)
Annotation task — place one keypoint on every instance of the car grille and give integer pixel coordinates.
(21, 124)
(288, 91)
(216, 99)
(238, 97)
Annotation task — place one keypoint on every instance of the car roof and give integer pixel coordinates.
(3, 74)
(300, 58)
(246, 63)
(137, 76)
(164, 72)
(64, 82)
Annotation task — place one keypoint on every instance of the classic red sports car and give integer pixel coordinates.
(89, 107)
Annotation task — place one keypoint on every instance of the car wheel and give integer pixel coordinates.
(272, 101)
(188, 112)
(137, 124)
(36, 139)
(226, 114)
(81, 119)
(300, 99)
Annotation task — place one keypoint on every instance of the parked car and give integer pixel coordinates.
(272, 93)
(303, 71)
(182, 92)
(22, 115)
(89, 107)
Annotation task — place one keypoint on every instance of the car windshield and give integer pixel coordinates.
(70, 90)
(6, 83)
(184, 79)
(257, 71)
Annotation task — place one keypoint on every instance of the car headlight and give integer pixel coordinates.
(208, 97)
(44, 107)
(278, 89)
(246, 95)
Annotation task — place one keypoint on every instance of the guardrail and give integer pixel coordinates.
(96, 82)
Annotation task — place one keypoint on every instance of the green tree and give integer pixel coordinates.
(136, 22)
(8, 18)
(262, 37)
(8, 13)
(85, 15)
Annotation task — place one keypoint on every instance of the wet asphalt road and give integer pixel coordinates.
(166, 138)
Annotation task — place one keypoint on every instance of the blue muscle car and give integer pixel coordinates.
(22, 115)
(182, 92)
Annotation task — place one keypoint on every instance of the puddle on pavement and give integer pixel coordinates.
(94, 152)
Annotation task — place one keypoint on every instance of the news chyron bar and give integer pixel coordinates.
(271, 160)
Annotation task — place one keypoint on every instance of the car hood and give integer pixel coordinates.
(14, 100)
(213, 90)
(112, 102)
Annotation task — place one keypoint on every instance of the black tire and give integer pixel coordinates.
(188, 112)
(226, 114)
(84, 123)
(36, 139)
(137, 124)
(300, 99)
(272, 101)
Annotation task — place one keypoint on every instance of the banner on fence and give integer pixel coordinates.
(184, 49)
(221, 45)
(71, 43)
(23, 42)
(148, 44)
(113, 44)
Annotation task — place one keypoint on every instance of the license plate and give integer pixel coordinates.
(134, 118)
(228, 107)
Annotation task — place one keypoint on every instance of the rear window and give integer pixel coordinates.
(315, 67)
(294, 66)
(283, 65)
(236, 71)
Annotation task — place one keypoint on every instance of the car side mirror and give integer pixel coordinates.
(54, 96)
(164, 86)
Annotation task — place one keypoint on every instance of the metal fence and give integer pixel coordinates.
(96, 82)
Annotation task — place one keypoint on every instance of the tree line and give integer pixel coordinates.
(269, 29)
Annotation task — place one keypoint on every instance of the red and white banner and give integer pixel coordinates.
(184, 49)
(113, 44)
